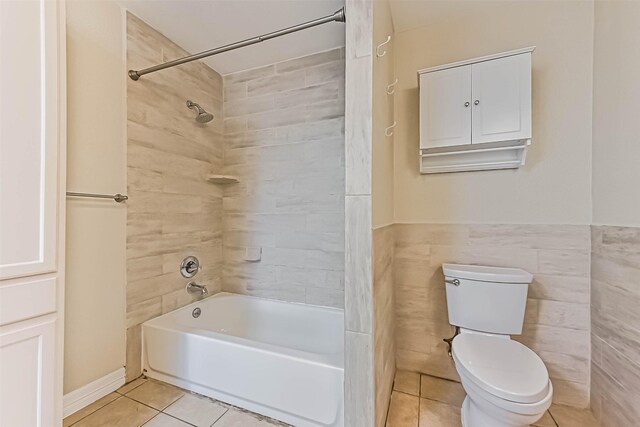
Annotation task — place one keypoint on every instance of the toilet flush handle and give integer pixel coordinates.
(455, 282)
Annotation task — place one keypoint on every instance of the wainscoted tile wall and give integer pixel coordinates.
(284, 140)
(172, 211)
(557, 316)
(384, 344)
(615, 320)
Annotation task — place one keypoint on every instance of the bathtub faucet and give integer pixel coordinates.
(194, 288)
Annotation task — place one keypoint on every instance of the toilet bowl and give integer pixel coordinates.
(507, 384)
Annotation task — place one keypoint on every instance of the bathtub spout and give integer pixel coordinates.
(194, 288)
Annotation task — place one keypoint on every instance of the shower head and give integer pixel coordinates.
(203, 116)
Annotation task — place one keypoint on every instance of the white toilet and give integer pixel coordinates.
(507, 384)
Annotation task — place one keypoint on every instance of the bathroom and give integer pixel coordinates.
(291, 229)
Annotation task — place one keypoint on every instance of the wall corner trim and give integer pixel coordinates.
(87, 394)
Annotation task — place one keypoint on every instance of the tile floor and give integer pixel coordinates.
(417, 401)
(156, 404)
(425, 401)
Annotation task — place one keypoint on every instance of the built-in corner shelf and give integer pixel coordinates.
(222, 179)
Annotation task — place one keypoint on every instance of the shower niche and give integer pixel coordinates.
(222, 179)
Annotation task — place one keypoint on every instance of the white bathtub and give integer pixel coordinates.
(278, 359)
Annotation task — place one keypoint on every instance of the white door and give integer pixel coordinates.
(32, 141)
(502, 99)
(445, 112)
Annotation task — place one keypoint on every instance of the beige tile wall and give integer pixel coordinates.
(284, 140)
(557, 316)
(615, 323)
(172, 211)
(384, 344)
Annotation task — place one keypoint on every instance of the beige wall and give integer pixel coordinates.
(383, 116)
(173, 211)
(94, 312)
(554, 186)
(616, 128)
(284, 140)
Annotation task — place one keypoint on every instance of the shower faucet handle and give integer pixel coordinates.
(189, 267)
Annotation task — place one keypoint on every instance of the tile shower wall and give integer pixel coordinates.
(284, 140)
(359, 371)
(557, 316)
(615, 325)
(172, 210)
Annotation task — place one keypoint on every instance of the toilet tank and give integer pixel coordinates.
(486, 299)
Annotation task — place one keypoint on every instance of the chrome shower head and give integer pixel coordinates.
(203, 116)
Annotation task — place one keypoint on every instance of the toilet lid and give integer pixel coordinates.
(502, 367)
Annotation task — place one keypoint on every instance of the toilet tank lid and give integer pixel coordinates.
(487, 274)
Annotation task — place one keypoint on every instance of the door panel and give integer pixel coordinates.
(28, 137)
(502, 99)
(32, 132)
(27, 353)
(22, 299)
(445, 120)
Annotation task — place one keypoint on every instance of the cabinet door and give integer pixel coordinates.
(28, 137)
(27, 352)
(502, 99)
(445, 113)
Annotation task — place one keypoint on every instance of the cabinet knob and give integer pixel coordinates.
(466, 104)
(476, 102)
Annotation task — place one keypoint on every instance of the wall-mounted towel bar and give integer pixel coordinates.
(118, 198)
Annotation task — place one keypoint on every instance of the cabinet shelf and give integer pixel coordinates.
(222, 179)
(474, 157)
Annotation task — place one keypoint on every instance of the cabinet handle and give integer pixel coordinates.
(476, 102)
(466, 104)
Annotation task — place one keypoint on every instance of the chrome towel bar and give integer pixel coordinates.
(118, 198)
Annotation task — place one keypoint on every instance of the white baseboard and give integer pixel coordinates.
(87, 394)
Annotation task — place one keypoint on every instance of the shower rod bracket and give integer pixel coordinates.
(338, 16)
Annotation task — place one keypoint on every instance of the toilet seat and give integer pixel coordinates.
(502, 367)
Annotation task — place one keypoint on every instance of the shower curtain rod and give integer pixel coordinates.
(339, 16)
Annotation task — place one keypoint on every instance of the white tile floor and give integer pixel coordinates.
(153, 403)
(426, 401)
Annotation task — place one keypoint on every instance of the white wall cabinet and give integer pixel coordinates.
(501, 93)
(32, 172)
(445, 106)
(476, 114)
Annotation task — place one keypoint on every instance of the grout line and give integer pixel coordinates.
(222, 415)
(179, 419)
(97, 409)
(419, 402)
(149, 406)
(149, 420)
(129, 391)
(440, 378)
(553, 419)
